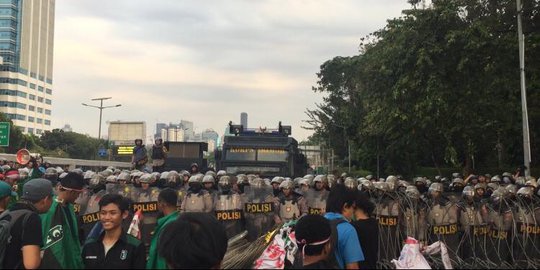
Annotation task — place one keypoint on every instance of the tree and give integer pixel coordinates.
(436, 87)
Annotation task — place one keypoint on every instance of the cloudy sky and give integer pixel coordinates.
(202, 61)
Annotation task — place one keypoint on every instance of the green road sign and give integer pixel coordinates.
(4, 133)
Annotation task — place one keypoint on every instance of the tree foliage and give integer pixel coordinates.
(436, 87)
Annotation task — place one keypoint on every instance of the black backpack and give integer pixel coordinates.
(7, 219)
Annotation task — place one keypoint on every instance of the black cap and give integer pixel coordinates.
(73, 180)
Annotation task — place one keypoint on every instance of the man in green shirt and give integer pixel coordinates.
(61, 248)
(167, 205)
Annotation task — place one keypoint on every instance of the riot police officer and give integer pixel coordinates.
(291, 205)
(473, 223)
(276, 181)
(228, 207)
(208, 182)
(197, 199)
(442, 219)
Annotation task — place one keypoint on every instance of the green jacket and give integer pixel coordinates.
(61, 246)
(154, 260)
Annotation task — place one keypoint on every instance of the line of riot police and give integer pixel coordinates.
(484, 222)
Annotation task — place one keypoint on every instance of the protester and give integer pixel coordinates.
(6, 193)
(62, 248)
(167, 205)
(114, 248)
(367, 229)
(23, 250)
(340, 210)
(313, 236)
(194, 240)
(11, 177)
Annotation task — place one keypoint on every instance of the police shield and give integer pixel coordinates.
(79, 206)
(316, 201)
(228, 210)
(259, 210)
(125, 190)
(90, 216)
(145, 200)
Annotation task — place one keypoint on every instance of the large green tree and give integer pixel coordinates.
(436, 87)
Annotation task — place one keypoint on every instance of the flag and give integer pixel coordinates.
(95, 232)
(134, 229)
(61, 247)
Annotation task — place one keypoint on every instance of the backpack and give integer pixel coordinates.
(331, 261)
(5, 229)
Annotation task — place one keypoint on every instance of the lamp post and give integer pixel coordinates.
(525, 117)
(101, 107)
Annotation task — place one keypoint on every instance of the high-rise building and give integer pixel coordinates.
(244, 120)
(189, 133)
(159, 128)
(26, 69)
(210, 135)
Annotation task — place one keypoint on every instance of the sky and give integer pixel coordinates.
(202, 61)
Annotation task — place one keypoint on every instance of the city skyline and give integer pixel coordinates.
(205, 61)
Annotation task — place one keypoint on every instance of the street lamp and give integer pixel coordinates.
(101, 107)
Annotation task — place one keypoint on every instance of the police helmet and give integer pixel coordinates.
(146, 178)
(287, 184)
(221, 173)
(412, 192)
(480, 186)
(420, 180)
(511, 189)
(164, 175)
(242, 179)
(319, 178)
(303, 181)
(365, 185)
(224, 181)
(436, 187)
(208, 179)
(531, 183)
(496, 179)
(24, 172)
(381, 186)
(350, 183)
(258, 182)
(468, 192)
(492, 186)
(110, 179)
(277, 180)
(369, 177)
(311, 177)
(520, 181)
(526, 192)
(123, 176)
(88, 174)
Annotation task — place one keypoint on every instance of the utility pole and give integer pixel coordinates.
(525, 116)
(101, 107)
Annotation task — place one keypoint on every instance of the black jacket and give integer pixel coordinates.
(127, 253)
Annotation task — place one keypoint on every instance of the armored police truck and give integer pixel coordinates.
(261, 151)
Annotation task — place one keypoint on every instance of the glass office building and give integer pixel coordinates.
(26, 62)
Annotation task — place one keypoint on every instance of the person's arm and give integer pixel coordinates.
(139, 261)
(31, 242)
(352, 251)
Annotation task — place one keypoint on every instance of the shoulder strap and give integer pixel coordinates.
(332, 260)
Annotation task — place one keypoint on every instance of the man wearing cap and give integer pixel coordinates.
(62, 248)
(5, 195)
(23, 250)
